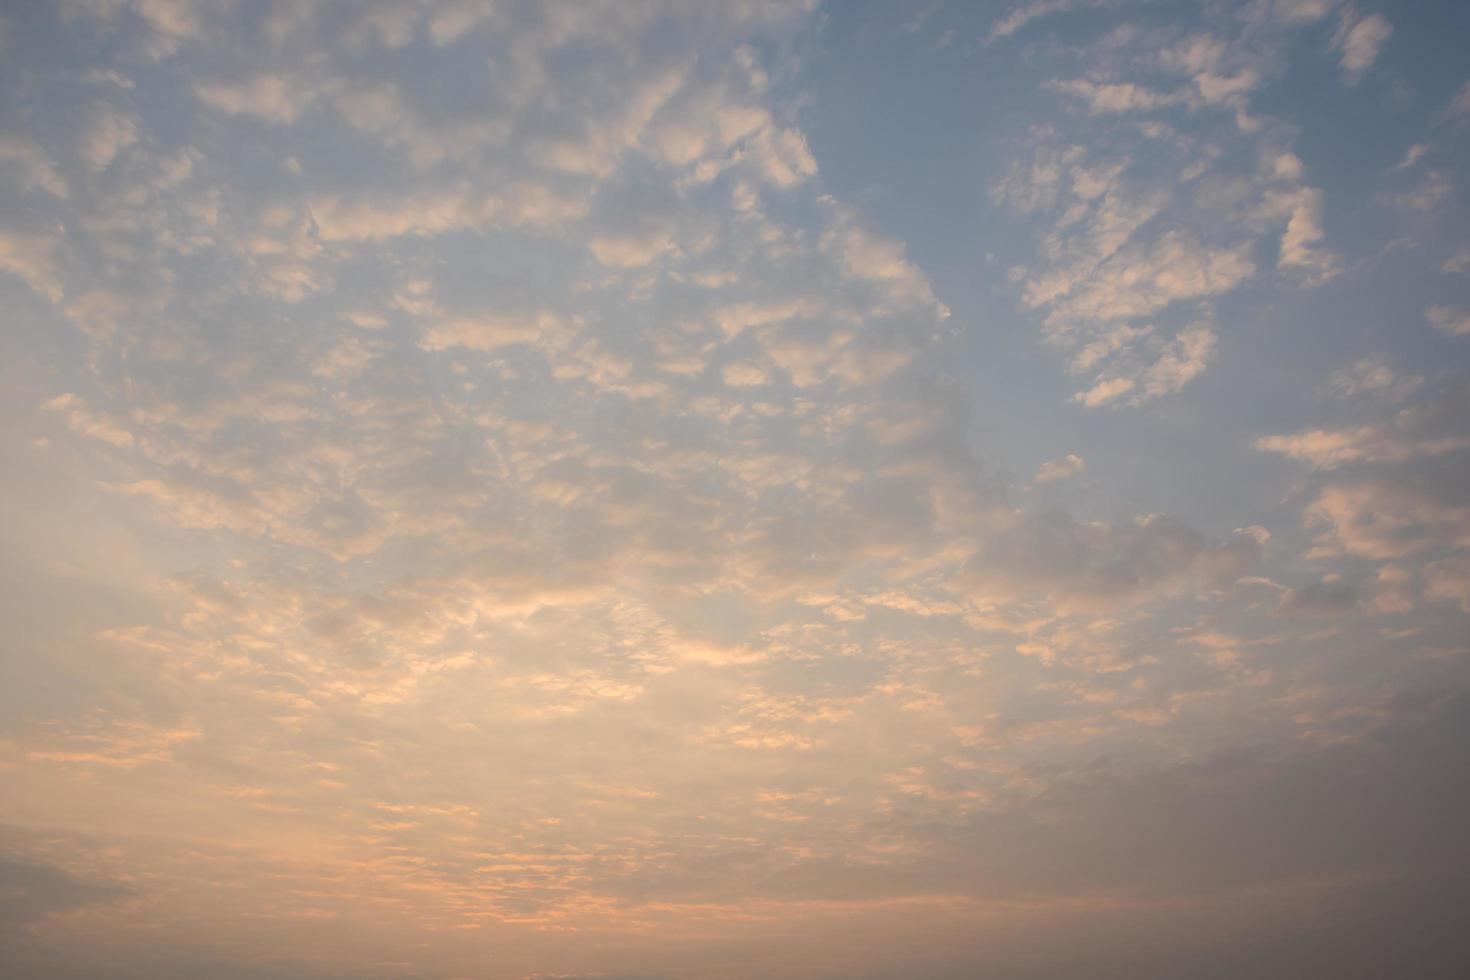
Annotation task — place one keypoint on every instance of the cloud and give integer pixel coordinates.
(1333, 598)
(1141, 280)
(1380, 519)
(879, 259)
(1449, 579)
(1460, 103)
(1374, 375)
(1394, 496)
(1024, 14)
(1431, 193)
(489, 330)
(272, 98)
(1413, 155)
(1300, 248)
(1328, 449)
(1359, 41)
(516, 476)
(1107, 390)
(629, 251)
(1120, 252)
(82, 420)
(1423, 431)
(524, 205)
(1180, 362)
(1301, 10)
(1110, 97)
(107, 135)
(1060, 469)
(1447, 321)
(31, 891)
(29, 257)
(1096, 564)
(35, 167)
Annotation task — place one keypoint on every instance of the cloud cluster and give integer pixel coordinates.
(491, 505)
(1195, 197)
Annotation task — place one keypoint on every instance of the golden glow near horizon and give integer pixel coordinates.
(707, 491)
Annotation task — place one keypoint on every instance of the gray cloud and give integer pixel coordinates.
(30, 892)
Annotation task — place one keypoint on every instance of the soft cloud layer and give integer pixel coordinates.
(528, 489)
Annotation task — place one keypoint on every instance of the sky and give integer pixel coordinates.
(750, 489)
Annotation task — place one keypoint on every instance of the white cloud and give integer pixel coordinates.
(1412, 156)
(1448, 321)
(630, 251)
(743, 374)
(1327, 449)
(489, 330)
(1121, 247)
(30, 257)
(1060, 469)
(1397, 494)
(1300, 242)
(81, 419)
(879, 259)
(273, 98)
(377, 220)
(1423, 431)
(452, 21)
(1181, 361)
(1385, 520)
(1116, 97)
(35, 167)
(1359, 41)
(107, 135)
(1430, 194)
(1302, 10)
(1460, 104)
(1025, 13)
(1376, 375)
(1106, 390)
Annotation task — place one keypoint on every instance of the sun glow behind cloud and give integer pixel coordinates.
(506, 490)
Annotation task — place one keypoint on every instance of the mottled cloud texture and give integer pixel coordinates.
(733, 490)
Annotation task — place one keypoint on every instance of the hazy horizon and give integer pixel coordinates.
(701, 491)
